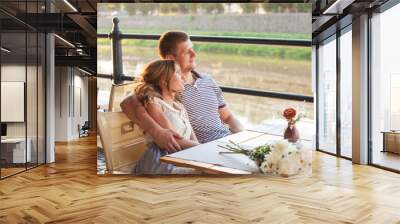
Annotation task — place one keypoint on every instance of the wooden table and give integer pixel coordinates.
(206, 157)
(391, 141)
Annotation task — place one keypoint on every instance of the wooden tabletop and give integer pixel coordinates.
(207, 158)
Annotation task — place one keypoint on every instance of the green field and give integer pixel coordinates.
(290, 36)
(268, 51)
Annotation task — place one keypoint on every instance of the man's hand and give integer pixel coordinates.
(166, 139)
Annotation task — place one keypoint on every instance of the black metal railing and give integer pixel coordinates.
(225, 39)
(116, 36)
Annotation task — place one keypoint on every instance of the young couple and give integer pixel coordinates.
(177, 107)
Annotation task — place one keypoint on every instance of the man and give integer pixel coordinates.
(202, 98)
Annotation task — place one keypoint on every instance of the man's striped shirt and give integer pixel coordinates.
(202, 100)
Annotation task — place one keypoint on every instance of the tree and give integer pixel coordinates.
(193, 8)
(249, 7)
(271, 7)
(183, 8)
(131, 9)
(213, 8)
(148, 8)
(164, 8)
(113, 7)
(305, 7)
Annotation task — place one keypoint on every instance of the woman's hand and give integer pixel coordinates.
(154, 123)
(167, 139)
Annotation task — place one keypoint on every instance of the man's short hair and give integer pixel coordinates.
(168, 42)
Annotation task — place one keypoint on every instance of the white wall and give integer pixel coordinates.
(80, 83)
(61, 103)
(12, 73)
(70, 83)
(33, 126)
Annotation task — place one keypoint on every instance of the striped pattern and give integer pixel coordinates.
(202, 101)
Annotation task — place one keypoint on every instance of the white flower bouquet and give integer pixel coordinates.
(279, 158)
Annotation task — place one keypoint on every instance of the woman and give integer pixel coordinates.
(157, 91)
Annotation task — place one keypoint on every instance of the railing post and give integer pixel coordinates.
(115, 37)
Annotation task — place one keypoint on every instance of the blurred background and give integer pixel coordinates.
(285, 69)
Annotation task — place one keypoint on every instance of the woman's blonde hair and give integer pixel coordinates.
(149, 82)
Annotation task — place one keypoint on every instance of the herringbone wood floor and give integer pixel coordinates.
(69, 191)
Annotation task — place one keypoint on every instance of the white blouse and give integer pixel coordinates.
(177, 116)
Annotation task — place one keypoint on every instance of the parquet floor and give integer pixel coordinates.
(387, 159)
(9, 171)
(69, 191)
